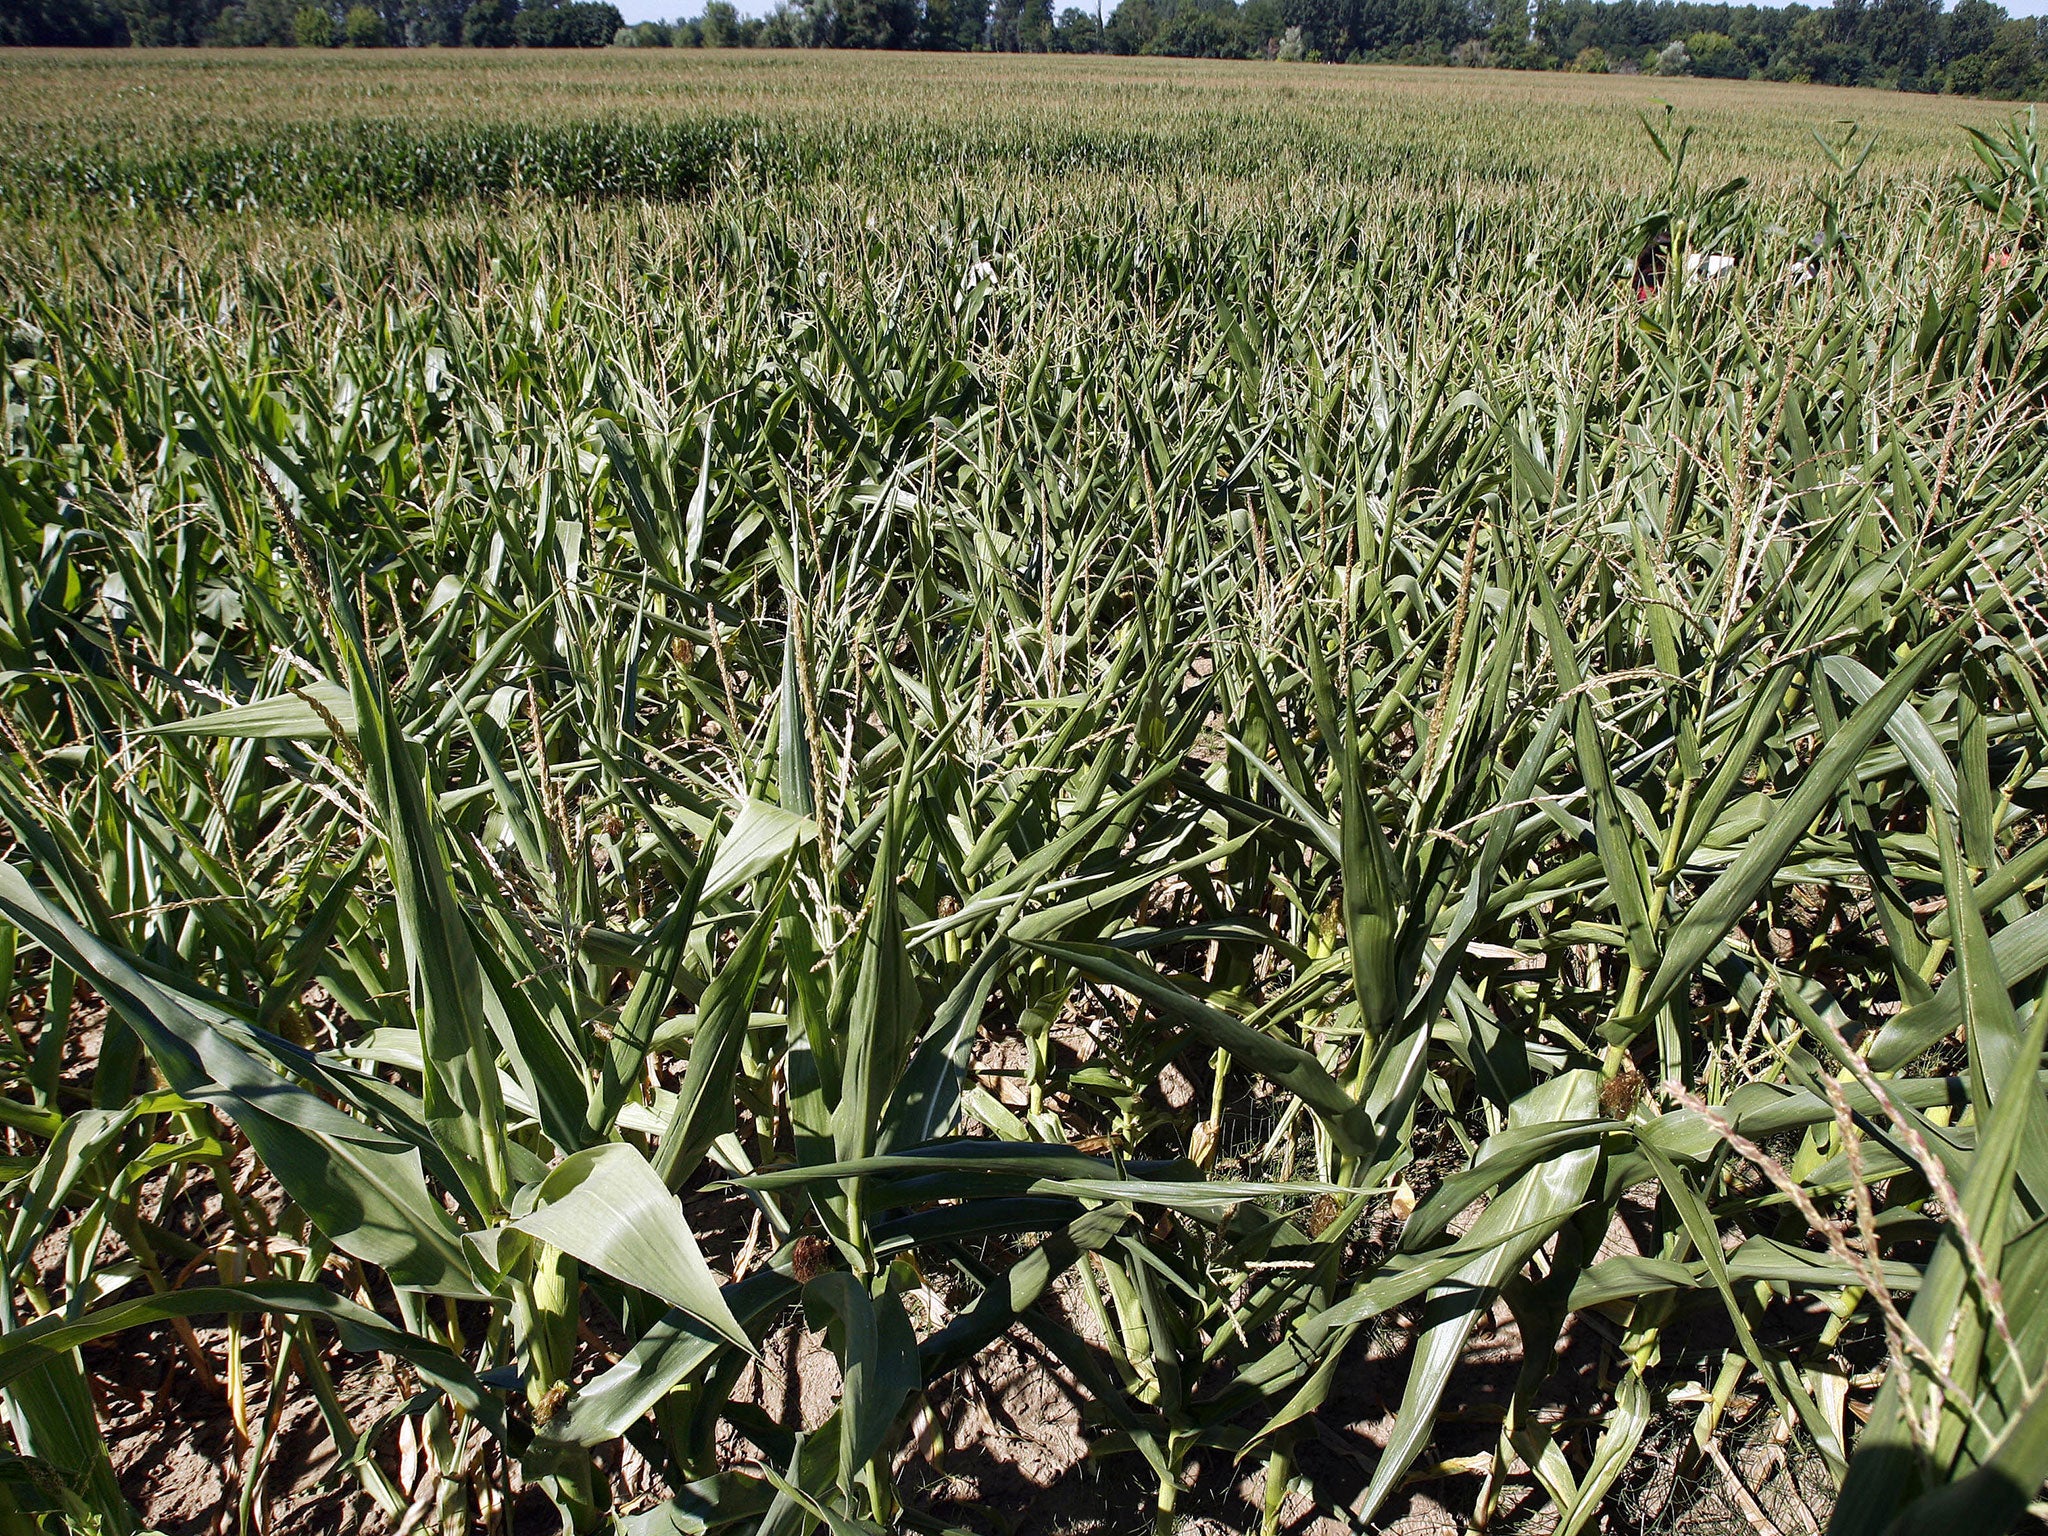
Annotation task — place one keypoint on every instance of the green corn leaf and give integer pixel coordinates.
(460, 1076)
(1505, 1156)
(761, 837)
(704, 1108)
(878, 1365)
(1022, 1160)
(364, 1188)
(607, 1207)
(1620, 857)
(886, 1012)
(2019, 950)
(1021, 1287)
(1288, 1065)
(1550, 1190)
(54, 1337)
(709, 1504)
(1909, 733)
(925, 1102)
(51, 1412)
(640, 1016)
(1709, 918)
(677, 1347)
(309, 713)
(1997, 1494)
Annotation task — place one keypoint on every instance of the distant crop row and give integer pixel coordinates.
(287, 134)
(317, 172)
(388, 166)
(1973, 48)
(320, 170)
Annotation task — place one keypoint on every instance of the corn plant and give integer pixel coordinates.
(590, 788)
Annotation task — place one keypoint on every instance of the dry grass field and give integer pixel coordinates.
(937, 117)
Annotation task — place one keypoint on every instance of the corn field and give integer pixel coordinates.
(1198, 783)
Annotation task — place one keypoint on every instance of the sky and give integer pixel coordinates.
(666, 10)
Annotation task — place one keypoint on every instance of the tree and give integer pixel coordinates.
(968, 24)
(1020, 26)
(1263, 26)
(2012, 66)
(1430, 28)
(721, 24)
(1508, 43)
(1900, 35)
(1192, 34)
(579, 24)
(62, 24)
(877, 23)
(1974, 48)
(168, 23)
(538, 25)
(423, 23)
(488, 24)
(785, 27)
(1813, 51)
(592, 23)
(1964, 43)
(788, 26)
(363, 28)
(255, 24)
(1132, 25)
(1847, 22)
(1335, 28)
(934, 27)
(1077, 31)
(1970, 28)
(1715, 55)
(1003, 17)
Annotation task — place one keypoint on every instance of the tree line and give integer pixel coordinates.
(1971, 48)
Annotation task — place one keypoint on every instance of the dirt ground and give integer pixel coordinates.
(1002, 1450)
(1002, 1446)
